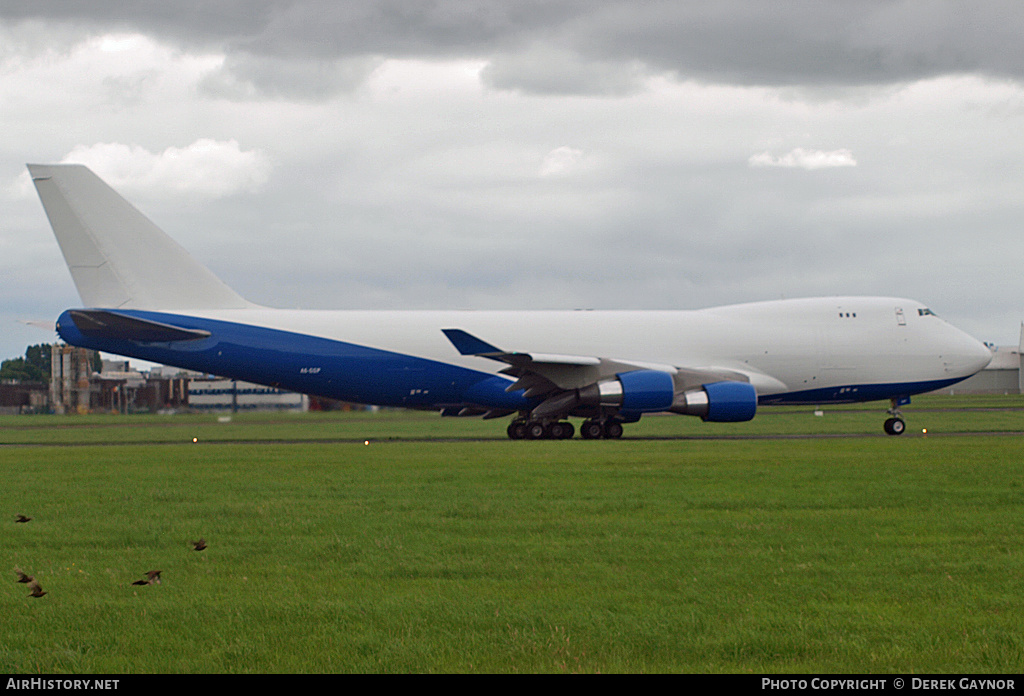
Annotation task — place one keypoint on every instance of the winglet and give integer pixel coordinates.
(468, 344)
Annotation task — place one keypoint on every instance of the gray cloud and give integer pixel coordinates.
(549, 69)
(246, 76)
(452, 154)
(573, 47)
(809, 41)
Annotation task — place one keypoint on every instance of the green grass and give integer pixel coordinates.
(443, 547)
(939, 414)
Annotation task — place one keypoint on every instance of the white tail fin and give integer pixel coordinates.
(116, 255)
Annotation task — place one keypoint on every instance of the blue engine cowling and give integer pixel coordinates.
(646, 391)
(652, 391)
(641, 391)
(719, 402)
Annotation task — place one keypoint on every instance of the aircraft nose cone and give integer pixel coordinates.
(973, 355)
(981, 355)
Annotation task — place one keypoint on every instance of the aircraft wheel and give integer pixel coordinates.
(591, 430)
(517, 430)
(895, 426)
(562, 430)
(535, 430)
(613, 430)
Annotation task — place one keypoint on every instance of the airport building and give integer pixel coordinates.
(71, 389)
(18, 397)
(233, 395)
(77, 387)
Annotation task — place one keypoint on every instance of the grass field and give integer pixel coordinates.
(441, 546)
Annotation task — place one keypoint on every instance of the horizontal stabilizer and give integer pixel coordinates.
(110, 325)
(47, 324)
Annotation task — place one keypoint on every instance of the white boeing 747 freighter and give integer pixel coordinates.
(146, 298)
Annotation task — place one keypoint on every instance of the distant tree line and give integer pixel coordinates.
(35, 366)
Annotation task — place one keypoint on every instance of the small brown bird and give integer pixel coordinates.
(22, 577)
(22, 518)
(37, 591)
(199, 545)
(152, 578)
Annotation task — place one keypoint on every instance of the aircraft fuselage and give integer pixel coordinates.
(815, 351)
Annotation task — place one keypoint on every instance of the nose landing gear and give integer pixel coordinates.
(894, 425)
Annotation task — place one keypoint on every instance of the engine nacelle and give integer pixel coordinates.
(652, 391)
(719, 402)
(640, 391)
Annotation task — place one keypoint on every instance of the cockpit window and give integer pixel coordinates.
(925, 312)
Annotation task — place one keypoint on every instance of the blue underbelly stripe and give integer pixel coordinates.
(848, 394)
(307, 364)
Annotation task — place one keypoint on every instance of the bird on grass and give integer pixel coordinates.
(22, 577)
(199, 545)
(152, 578)
(22, 519)
(37, 590)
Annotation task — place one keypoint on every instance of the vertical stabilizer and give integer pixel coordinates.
(116, 255)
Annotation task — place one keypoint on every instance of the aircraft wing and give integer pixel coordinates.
(468, 344)
(537, 373)
(566, 383)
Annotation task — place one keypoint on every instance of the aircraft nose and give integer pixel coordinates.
(982, 355)
(972, 354)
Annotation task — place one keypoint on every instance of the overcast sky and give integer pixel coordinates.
(532, 155)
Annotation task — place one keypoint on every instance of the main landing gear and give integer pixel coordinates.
(521, 429)
(593, 429)
(894, 425)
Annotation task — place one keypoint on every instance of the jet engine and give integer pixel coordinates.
(719, 402)
(650, 391)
